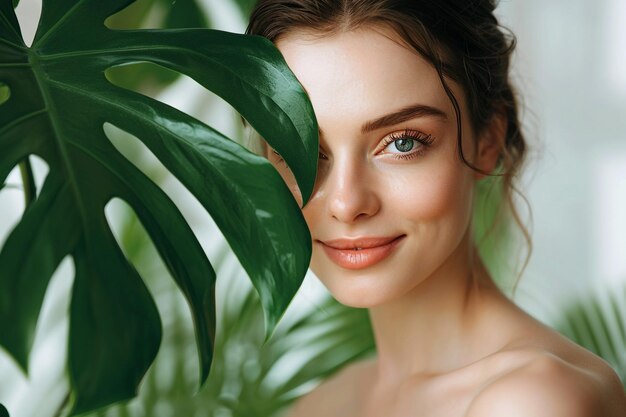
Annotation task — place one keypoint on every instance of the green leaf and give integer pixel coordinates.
(97, 295)
(59, 102)
(3, 411)
(184, 14)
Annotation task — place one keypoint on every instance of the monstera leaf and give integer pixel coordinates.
(57, 101)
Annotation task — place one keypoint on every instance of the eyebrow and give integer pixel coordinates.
(406, 113)
(402, 115)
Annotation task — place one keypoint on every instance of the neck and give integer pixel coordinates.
(436, 327)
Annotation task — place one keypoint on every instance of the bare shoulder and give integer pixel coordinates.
(550, 386)
(335, 396)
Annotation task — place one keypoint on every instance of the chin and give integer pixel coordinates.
(352, 293)
(358, 302)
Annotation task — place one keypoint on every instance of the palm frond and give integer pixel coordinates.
(597, 321)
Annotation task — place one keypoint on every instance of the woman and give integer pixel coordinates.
(415, 108)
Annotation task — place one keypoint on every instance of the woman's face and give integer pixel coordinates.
(392, 200)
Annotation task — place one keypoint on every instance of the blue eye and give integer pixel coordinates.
(407, 143)
(403, 145)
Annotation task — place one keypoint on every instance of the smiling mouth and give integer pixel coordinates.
(360, 253)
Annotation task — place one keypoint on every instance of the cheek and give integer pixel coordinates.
(313, 214)
(293, 187)
(432, 193)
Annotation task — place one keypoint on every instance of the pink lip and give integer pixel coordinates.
(371, 250)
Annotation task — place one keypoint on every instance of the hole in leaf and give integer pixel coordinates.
(138, 154)
(159, 14)
(127, 229)
(11, 203)
(5, 93)
(40, 171)
(48, 355)
(28, 13)
(37, 169)
(185, 94)
(136, 245)
(143, 77)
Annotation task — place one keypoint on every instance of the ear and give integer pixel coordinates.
(490, 144)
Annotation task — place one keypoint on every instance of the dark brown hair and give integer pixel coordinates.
(463, 41)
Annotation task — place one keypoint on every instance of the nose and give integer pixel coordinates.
(351, 193)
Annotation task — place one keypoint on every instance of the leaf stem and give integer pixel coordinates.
(28, 179)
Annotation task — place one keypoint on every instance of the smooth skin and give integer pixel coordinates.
(449, 343)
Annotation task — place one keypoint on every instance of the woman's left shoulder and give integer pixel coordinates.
(550, 386)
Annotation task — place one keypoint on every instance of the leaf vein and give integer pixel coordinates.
(7, 42)
(58, 22)
(22, 119)
(8, 23)
(59, 140)
(165, 48)
(14, 65)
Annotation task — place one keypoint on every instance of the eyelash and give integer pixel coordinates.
(416, 135)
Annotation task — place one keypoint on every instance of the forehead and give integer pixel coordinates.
(361, 74)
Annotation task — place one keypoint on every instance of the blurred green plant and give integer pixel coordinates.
(57, 103)
(249, 376)
(492, 229)
(597, 321)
